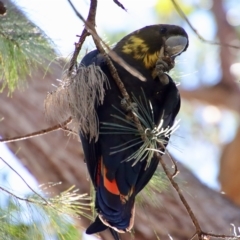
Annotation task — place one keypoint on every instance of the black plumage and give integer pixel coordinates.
(116, 179)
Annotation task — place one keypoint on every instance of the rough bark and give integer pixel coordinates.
(56, 157)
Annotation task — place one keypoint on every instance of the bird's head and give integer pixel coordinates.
(147, 43)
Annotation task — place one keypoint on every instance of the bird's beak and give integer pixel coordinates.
(175, 45)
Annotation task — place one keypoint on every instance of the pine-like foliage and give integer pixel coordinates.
(23, 47)
(37, 217)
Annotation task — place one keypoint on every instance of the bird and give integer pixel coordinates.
(120, 163)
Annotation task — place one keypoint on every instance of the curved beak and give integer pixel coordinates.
(175, 45)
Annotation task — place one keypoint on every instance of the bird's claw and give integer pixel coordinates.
(164, 64)
(128, 106)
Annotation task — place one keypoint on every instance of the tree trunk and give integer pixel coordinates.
(57, 157)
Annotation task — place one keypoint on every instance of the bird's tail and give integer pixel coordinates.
(98, 226)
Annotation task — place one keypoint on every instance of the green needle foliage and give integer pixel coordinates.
(153, 134)
(23, 47)
(37, 217)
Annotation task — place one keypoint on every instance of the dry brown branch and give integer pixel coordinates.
(78, 47)
(183, 200)
(201, 234)
(85, 33)
(182, 14)
(44, 200)
(15, 196)
(222, 236)
(176, 171)
(62, 126)
(120, 4)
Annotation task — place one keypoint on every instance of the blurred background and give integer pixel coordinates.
(206, 145)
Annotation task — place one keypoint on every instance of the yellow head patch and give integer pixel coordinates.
(139, 50)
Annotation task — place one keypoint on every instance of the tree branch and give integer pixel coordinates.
(24, 181)
(40, 133)
(182, 14)
(120, 4)
(85, 33)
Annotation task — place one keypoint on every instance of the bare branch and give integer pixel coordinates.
(222, 236)
(15, 196)
(120, 4)
(24, 181)
(194, 235)
(176, 171)
(182, 14)
(40, 133)
(183, 200)
(64, 198)
(85, 33)
(201, 234)
(78, 47)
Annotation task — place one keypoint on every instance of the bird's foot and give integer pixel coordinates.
(129, 108)
(164, 64)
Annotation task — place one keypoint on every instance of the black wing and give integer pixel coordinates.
(116, 181)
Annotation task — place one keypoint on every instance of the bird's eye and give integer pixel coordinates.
(163, 30)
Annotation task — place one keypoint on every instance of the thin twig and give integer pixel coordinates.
(77, 50)
(178, 190)
(24, 181)
(66, 129)
(194, 235)
(176, 171)
(45, 201)
(222, 236)
(199, 231)
(39, 133)
(120, 4)
(17, 197)
(85, 33)
(182, 14)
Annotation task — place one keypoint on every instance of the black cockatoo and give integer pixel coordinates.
(117, 162)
